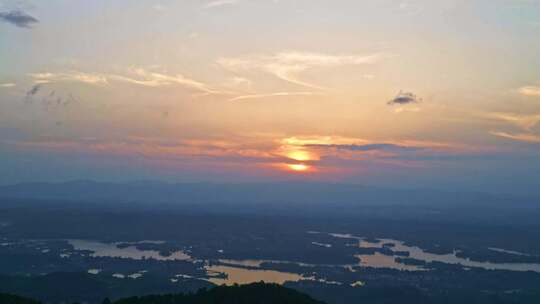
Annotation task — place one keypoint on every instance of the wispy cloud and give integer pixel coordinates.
(239, 82)
(530, 91)
(367, 147)
(154, 148)
(278, 94)
(7, 85)
(526, 122)
(410, 7)
(359, 144)
(403, 98)
(407, 109)
(287, 65)
(153, 79)
(526, 137)
(18, 18)
(137, 76)
(219, 3)
(72, 76)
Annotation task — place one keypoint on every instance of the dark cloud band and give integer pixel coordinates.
(18, 18)
(367, 147)
(403, 98)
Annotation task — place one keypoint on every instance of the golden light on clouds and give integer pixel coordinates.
(294, 168)
(300, 155)
(298, 167)
(299, 149)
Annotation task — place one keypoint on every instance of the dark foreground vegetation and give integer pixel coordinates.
(71, 288)
(12, 299)
(256, 293)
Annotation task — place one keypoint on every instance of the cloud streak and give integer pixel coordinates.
(526, 122)
(368, 147)
(525, 137)
(136, 76)
(88, 78)
(278, 94)
(219, 3)
(533, 91)
(18, 18)
(287, 65)
(153, 79)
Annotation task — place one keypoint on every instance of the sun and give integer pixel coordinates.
(298, 167)
(299, 155)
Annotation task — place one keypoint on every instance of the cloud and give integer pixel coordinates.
(33, 90)
(256, 150)
(51, 99)
(530, 91)
(88, 78)
(159, 7)
(531, 138)
(344, 153)
(219, 3)
(18, 18)
(526, 122)
(407, 109)
(7, 85)
(239, 82)
(358, 144)
(152, 79)
(410, 7)
(287, 65)
(403, 98)
(278, 94)
(154, 149)
(137, 76)
(367, 147)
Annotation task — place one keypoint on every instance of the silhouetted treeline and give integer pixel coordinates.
(256, 293)
(12, 299)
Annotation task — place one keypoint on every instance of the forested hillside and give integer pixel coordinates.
(256, 293)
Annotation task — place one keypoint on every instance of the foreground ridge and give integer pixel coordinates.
(255, 293)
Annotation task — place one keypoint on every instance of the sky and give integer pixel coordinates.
(395, 93)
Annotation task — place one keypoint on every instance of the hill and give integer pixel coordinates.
(256, 293)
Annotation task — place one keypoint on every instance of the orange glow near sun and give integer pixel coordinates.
(298, 167)
(299, 155)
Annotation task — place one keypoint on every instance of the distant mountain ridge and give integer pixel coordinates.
(283, 192)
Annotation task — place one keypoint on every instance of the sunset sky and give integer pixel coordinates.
(394, 93)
